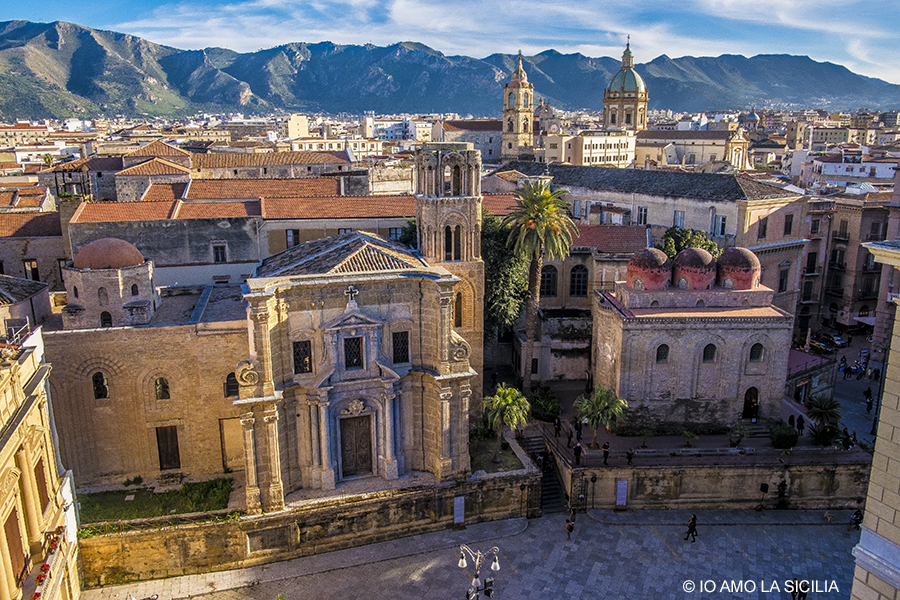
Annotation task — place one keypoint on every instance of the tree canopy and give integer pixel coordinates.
(601, 409)
(505, 276)
(506, 408)
(677, 239)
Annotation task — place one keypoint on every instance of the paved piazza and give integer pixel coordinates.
(635, 555)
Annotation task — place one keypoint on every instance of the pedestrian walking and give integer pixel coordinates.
(849, 340)
(605, 453)
(568, 437)
(794, 588)
(578, 450)
(856, 519)
(791, 421)
(557, 426)
(868, 405)
(629, 454)
(801, 424)
(570, 527)
(691, 529)
(578, 427)
(572, 515)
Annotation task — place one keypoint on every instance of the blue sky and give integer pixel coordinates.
(862, 35)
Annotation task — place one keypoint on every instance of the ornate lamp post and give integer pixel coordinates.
(478, 557)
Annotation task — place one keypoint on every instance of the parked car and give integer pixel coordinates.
(820, 348)
(835, 341)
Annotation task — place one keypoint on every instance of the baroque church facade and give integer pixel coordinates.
(341, 358)
(625, 98)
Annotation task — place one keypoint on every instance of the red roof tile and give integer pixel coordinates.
(339, 207)
(218, 189)
(156, 166)
(106, 212)
(475, 125)
(500, 204)
(225, 160)
(611, 238)
(216, 210)
(158, 148)
(44, 224)
(164, 192)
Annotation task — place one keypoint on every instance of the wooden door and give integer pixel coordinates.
(356, 446)
(167, 443)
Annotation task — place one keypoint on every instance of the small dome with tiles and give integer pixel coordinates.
(649, 269)
(108, 253)
(693, 269)
(738, 269)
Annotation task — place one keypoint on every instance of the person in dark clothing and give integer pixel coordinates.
(577, 430)
(791, 420)
(568, 437)
(856, 519)
(629, 454)
(570, 527)
(692, 529)
(801, 424)
(578, 450)
(572, 515)
(557, 426)
(605, 453)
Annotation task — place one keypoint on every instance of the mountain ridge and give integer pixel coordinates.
(63, 69)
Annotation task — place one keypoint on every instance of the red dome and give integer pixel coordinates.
(693, 269)
(649, 269)
(739, 269)
(108, 253)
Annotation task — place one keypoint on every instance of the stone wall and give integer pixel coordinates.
(323, 527)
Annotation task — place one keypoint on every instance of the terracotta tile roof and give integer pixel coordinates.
(618, 239)
(355, 252)
(661, 134)
(216, 210)
(158, 149)
(512, 176)
(23, 127)
(104, 163)
(225, 160)
(30, 198)
(164, 192)
(339, 207)
(22, 224)
(217, 189)
(15, 289)
(500, 204)
(474, 125)
(156, 166)
(107, 212)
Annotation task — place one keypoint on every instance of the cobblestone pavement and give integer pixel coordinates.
(634, 555)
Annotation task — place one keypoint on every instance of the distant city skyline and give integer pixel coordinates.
(858, 34)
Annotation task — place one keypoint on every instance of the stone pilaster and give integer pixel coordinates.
(30, 501)
(250, 466)
(273, 499)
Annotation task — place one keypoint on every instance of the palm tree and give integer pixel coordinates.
(601, 409)
(824, 411)
(540, 226)
(507, 407)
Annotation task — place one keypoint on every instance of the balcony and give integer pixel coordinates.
(868, 294)
(811, 272)
(838, 266)
(875, 237)
(872, 268)
(837, 291)
(821, 206)
(840, 236)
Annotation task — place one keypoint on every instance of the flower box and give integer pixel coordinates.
(45, 568)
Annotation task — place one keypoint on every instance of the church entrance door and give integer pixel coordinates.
(751, 404)
(167, 443)
(356, 446)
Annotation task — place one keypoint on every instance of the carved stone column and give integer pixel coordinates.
(446, 444)
(263, 347)
(250, 466)
(30, 501)
(7, 584)
(389, 468)
(326, 473)
(274, 497)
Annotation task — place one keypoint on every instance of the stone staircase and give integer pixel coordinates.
(552, 497)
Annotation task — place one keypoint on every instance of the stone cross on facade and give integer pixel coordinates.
(351, 292)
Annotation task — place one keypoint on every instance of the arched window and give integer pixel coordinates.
(448, 243)
(612, 118)
(662, 353)
(511, 102)
(458, 310)
(548, 281)
(231, 385)
(526, 99)
(756, 353)
(456, 181)
(578, 281)
(75, 290)
(105, 319)
(509, 128)
(162, 388)
(134, 289)
(102, 296)
(709, 353)
(101, 389)
(457, 243)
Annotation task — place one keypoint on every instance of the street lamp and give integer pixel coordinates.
(478, 556)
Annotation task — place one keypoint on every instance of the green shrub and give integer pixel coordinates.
(544, 405)
(482, 431)
(824, 435)
(689, 436)
(783, 436)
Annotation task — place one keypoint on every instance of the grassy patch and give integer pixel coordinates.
(192, 497)
(482, 451)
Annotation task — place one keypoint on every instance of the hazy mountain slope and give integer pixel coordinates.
(61, 69)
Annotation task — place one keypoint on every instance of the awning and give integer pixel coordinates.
(867, 320)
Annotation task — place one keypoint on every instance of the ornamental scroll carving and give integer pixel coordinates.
(8, 481)
(245, 373)
(459, 348)
(356, 408)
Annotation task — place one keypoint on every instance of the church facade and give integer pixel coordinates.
(625, 98)
(518, 117)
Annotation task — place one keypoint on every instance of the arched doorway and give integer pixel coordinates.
(751, 404)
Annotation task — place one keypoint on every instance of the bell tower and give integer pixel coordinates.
(518, 117)
(448, 216)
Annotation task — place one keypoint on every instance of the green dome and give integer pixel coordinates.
(627, 80)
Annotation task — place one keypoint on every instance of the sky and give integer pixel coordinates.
(862, 35)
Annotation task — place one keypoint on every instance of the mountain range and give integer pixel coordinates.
(61, 69)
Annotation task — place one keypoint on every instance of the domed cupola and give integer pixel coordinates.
(693, 269)
(625, 98)
(627, 79)
(738, 269)
(649, 269)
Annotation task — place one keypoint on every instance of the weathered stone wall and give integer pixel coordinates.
(811, 485)
(324, 527)
(47, 251)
